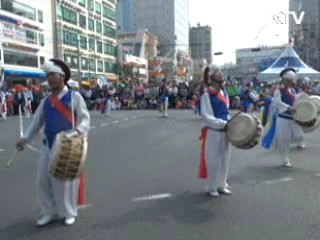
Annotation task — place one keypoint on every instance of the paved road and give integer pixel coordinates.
(138, 154)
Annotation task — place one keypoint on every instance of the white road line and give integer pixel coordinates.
(125, 119)
(133, 117)
(152, 197)
(280, 180)
(115, 121)
(317, 174)
(1, 150)
(104, 124)
(92, 127)
(86, 206)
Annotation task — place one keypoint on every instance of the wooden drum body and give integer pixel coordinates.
(68, 155)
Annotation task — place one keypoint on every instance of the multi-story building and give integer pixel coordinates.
(25, 39)
(306, 36)
(201, 43)
(170, 22)
(85, 37)
(249, 62)
(125, 16)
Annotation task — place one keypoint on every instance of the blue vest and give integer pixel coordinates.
(287, 98)
(55, 122)
(220, 109)
(247, 101)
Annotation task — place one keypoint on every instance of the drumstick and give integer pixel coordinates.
(21, 130)
(12, 158)
(234, 116)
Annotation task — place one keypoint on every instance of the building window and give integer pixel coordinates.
(42, 60)
(100, 66)
(98, 8)
(20, 59)
(41, 39)
(84, 64)
(83, 21)
(109, 67)
(70, 38)
(109, 12)
(110, 50)
(92, 46)
(98, 27)
(31, 37)
(40, 16)
(108, 31)
(18, 9)
(99, 47)
(69, 15)
(92, 64)
(71, 60)
(91, 24)
(83, 42)
(82, 3)
(90, 5)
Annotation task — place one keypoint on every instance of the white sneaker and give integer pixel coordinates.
(45, 220)
(301, 146)
(69, 221)
(224, 191)
(214, 194)
(287, 165)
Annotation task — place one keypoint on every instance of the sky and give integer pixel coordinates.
(240, 24)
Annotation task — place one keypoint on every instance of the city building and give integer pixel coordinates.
(306, 36)
(25, 39)
(125, 21)
(85, 37)
(251, 61)
(170, 22)
(201, 42)
(140, 47)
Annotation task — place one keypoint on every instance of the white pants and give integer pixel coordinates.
(56, 196)
(108, 107)
(287, 132)
(164, 106)
(218, 155)
(3, 113)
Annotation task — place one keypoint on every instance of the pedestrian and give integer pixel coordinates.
(250, 98)
(215, 156)
(164, 97)
(287, 131)
(58, 198)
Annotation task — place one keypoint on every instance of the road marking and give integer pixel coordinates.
(152, 197)
(115, 121)
(133, 117)
(317, 174)
(125, 119)
(104, 124)
(280, 180)
(1, 150)
(92, 127)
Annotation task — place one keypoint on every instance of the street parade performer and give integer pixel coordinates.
(250, 98)
(215, 152)
(284, 130)
(58, 198)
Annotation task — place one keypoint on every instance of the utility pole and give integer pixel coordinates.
(79, 59)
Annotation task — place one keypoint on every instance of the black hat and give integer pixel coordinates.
(286, 70)
(65, 68)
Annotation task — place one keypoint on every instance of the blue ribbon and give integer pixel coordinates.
(267, 140)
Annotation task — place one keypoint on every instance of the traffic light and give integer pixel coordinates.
(217, 53)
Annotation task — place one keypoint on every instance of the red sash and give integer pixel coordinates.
(203, 168)
(61, 107)
(219, 95)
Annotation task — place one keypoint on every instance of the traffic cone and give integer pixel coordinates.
(82, 191)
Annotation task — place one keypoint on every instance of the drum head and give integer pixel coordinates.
(316, 99)
(241, 129)
(306, 110)
(313, 127)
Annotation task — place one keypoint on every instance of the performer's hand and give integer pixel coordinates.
(21, 144)
(291, 109)
(225, 127)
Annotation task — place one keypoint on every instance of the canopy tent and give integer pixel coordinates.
(288, 58)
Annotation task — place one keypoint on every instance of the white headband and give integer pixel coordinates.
(50, 67)
(213, 69)
(290, 75)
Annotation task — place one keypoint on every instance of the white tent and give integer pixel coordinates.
(288, 58)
